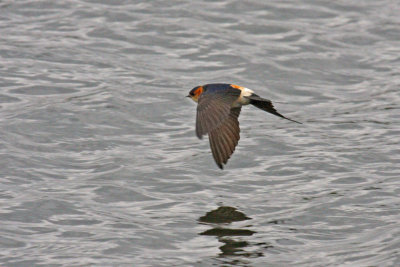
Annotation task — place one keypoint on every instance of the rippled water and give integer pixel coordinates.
(100, 164)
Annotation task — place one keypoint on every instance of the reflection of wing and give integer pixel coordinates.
(225, 137)
(216, 117)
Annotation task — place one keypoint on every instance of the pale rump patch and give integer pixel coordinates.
(243, 100)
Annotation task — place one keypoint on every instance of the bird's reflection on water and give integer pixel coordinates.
(232, 238)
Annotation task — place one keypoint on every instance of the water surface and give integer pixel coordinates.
(100, 165)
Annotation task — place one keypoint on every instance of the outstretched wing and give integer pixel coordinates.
(216, 117)
(213, 108)
(224, 138)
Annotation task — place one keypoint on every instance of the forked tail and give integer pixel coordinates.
(266, 105)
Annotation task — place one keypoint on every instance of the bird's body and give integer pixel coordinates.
(218, 109)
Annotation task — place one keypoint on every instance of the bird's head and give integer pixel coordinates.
(195, 93)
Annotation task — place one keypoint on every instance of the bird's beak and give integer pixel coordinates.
(188, 96)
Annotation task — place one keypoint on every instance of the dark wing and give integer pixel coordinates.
(216, 117)
(213, 108)
(225, 137)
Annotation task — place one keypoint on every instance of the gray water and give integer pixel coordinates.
(100, 165)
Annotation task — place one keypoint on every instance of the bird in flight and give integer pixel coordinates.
(218, 109)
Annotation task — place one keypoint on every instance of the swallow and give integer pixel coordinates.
(218, 110)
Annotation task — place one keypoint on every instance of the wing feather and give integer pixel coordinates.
(213, 108)
(217, 118)
(224, 138)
